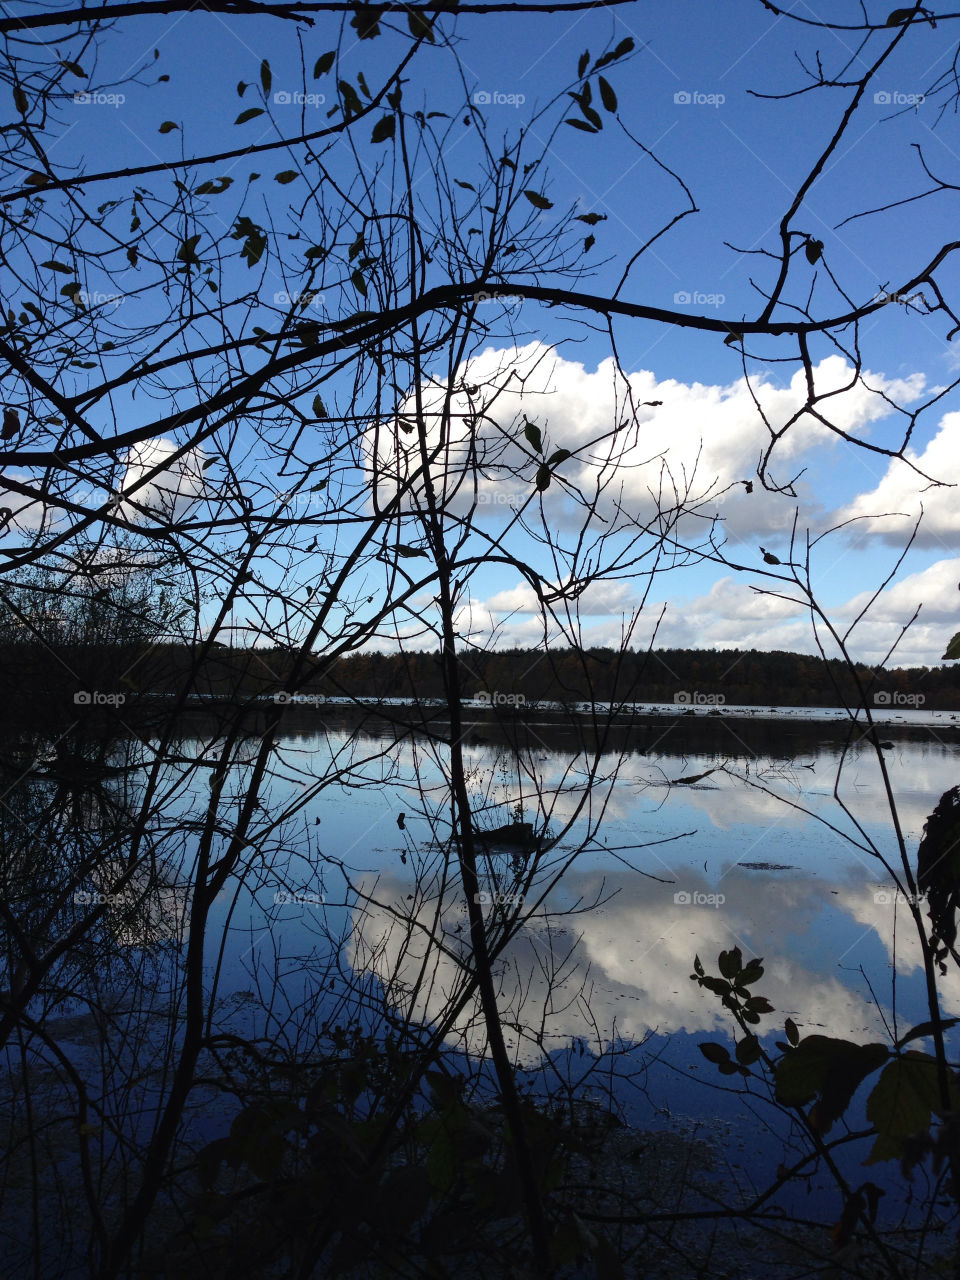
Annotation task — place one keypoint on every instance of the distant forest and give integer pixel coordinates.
(509, 676)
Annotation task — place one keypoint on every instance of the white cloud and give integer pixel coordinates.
(904, 493)
(700, 440)
(167, 495)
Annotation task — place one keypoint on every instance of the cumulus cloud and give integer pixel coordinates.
(902, 494)
(674, 442)
(171, 492)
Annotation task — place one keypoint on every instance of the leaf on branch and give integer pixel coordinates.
(266, 77)
(581, 125)
(37, 179)
(57, 266)
(286, 176)
(213, 186)
(132, 255)
(324, 63)
(953, 650)
(242, 88)
(607, 96)
(832, 1068)
(249, 114)
(558, 456)
(813, 250)
(899, 17)
(11, 424)
(467, 186)
(538, 201)
(583, 63)
(366, 21)
(621, 51)
(254, 240)
(715, 1053)
(20, 100)
(409, 553)
(187, 251)
(901, 1103)
(420, 25)
(938, 867)
(588, 243)
(315, 251)
(74, 68)
(319, 408)
(793, 1035)
(591, 219)
(544, 476)
(168, 126)
(358, 282)
(72, 291)
(384, 128)
(534, 436)
(352, 106)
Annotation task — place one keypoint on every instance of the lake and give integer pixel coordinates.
(686, 836)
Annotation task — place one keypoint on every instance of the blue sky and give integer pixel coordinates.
(684, 95)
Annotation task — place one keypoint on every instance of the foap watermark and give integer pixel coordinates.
(890, 897)
(500, 497)
(693, 898)
(694, 98)
(883, 297)
(497, 699)
(508, 299)
(284, 699)
(894, 98)
(83, 98)
(685, 298)
(298, 897)
(98, 299)
(306, 298)
(484, 899)
(694, 698)
(94, 698)
(94, 898)
(883, 698)
(295, 98)
(495, 98)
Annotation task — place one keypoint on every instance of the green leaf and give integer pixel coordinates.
(186, 253)
(544, 476)
(168, 126)
(409, 553)
(319, 408)
(538, 201)
(57, 266)
(829, 1067)
(285, 176)
(813, 249)
(249, 114)
(581, 125)
(953, 650)
(366, 21)
(925, 1029)
(420, 25)
(715, 1053)
(583, 63)
(266, 78)
(748, 1050)
(324, 63)
(607, 96)
(358, 282)
(384, 128)
(533, 435)
(901, 1102)
(621, 51)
